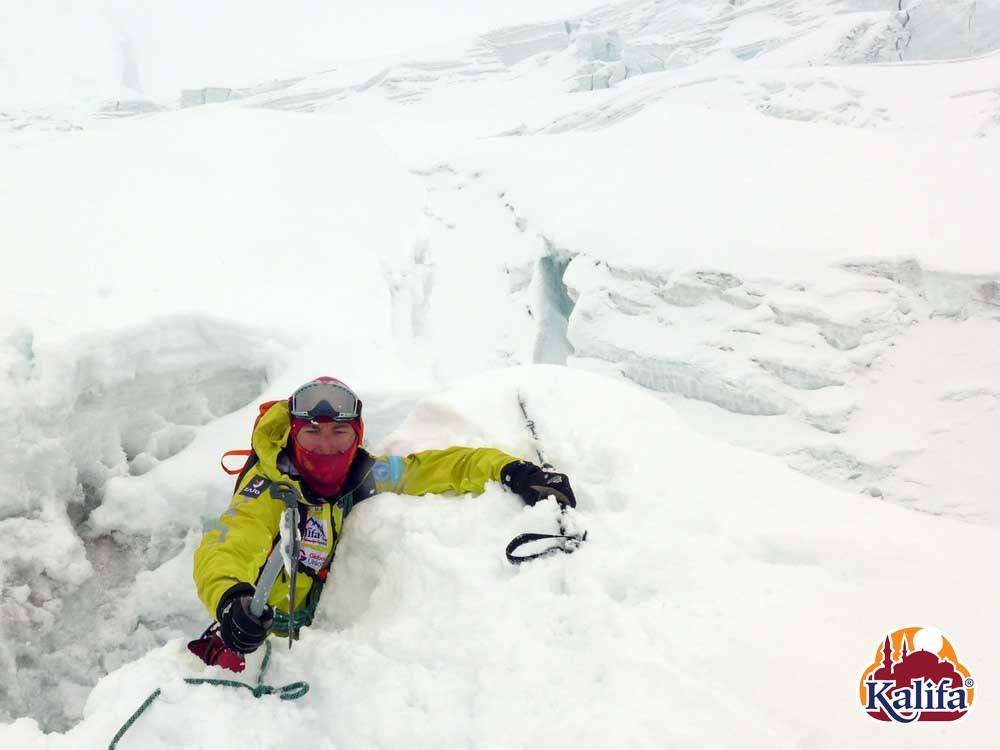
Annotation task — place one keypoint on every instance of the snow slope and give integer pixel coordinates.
(695, 585)
(87, 51)
(759, 242)
(855, 299)
(166, 297)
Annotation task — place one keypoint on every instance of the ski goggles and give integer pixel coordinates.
(325, 399)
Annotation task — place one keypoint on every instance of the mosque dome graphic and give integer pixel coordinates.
(916, 676)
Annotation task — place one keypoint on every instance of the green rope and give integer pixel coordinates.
(303, 615)
(290, 692)
(303, 619)
(132, 719)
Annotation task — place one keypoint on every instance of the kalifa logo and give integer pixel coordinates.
(916, 676)
(314, 532)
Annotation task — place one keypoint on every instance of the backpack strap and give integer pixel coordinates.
(252, 461)
(245, 453)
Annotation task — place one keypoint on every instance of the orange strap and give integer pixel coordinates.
(233, 472)
(243, 451)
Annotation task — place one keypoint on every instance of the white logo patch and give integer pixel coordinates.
(312, 558)
(315, 532)
(255, 487)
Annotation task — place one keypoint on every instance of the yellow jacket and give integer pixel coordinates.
(235, 549)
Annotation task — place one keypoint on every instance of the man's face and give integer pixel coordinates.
(326, 438)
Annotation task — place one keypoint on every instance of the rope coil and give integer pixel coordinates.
(290, 692)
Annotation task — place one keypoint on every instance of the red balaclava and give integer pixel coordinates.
(324, 473)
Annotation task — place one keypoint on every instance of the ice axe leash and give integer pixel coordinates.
(564, 541)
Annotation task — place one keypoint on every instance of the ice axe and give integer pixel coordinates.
(210, 647)
(285, 554)
(564, 541)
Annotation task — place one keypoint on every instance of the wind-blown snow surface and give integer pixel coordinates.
(784, 248)
(700, 600)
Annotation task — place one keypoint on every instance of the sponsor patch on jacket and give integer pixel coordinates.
(314, 532)
(389, 470)
(255, 487)
(312, 558)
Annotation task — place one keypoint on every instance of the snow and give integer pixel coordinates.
(650, 631)
(760, 208)
(112, 48)
(746, 282)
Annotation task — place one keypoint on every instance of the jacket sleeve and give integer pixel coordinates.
(234, 550)
(455, 469)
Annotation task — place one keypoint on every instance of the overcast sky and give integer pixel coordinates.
(56, 49)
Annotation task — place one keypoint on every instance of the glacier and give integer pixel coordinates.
(739, 258)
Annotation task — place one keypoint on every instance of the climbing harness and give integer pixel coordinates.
(290, 692)
(566, 542)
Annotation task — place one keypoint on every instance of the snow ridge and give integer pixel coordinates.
(87, 427)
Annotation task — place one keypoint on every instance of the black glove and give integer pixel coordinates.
(240, 629)
(533, 483)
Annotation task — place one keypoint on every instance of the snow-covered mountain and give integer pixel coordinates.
(758, 243)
